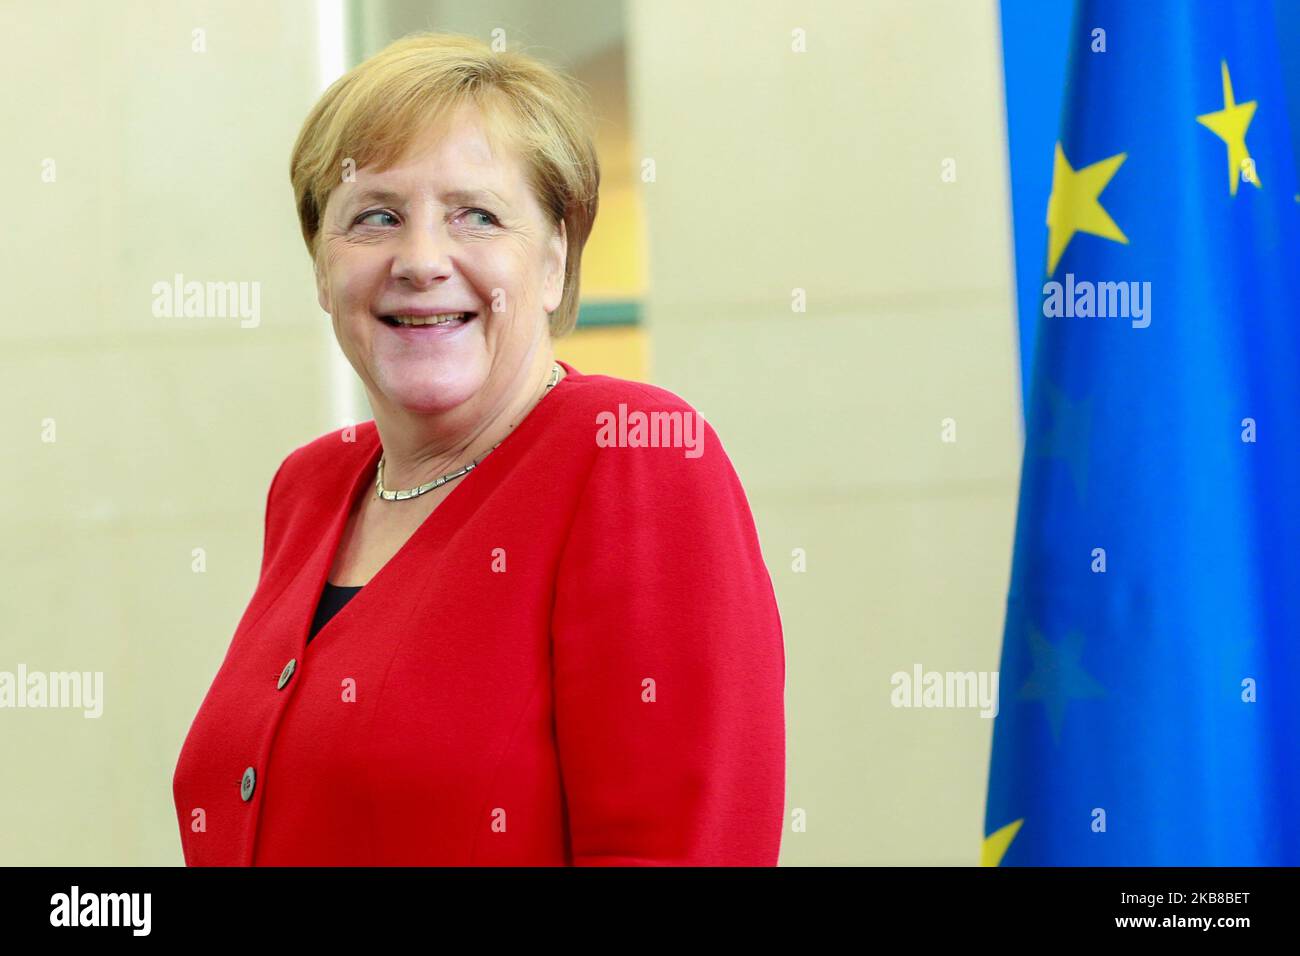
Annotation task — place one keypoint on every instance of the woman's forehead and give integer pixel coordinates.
(454, 154)
(464, 135)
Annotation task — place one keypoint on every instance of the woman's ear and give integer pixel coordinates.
(558, 257)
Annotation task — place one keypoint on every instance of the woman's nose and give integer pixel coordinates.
(423, 254)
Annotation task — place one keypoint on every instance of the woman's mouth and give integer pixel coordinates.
(431, 323)
(428, 324)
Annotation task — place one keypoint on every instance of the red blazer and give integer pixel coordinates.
(577, 659)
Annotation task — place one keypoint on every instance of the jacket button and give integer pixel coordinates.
(286, 673)
(247, 784)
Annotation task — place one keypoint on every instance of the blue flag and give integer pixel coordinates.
(1150, 677)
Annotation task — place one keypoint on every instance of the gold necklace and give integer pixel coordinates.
(405, 493)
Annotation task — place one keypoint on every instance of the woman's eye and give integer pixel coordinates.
(487, 218)
(370, 215)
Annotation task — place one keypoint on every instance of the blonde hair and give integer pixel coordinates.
(373, 113)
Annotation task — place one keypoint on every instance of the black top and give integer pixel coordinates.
(332, 600)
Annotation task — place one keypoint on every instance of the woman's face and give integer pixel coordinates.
(453, 227)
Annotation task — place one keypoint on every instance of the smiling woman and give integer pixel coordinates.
(530, 645)
(446, 221)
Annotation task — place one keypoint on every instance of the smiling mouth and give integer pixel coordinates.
(427, 321)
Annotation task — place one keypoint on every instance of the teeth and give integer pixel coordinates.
(429, 319)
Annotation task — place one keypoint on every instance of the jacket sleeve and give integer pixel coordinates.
(669, 667)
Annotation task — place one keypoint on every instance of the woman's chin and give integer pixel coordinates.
(422, 395)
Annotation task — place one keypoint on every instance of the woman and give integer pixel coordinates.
(543, 638)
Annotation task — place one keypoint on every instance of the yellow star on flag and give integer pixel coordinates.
(998, 842)
(1229, 124)
(1073, 206)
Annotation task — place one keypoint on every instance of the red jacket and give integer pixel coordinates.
(577, 659)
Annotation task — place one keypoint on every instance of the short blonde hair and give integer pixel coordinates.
(373, 113)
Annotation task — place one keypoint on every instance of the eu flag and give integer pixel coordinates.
(1150, 702)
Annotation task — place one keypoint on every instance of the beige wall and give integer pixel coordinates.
(168, 430)
(820, 170)
(775, 171)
